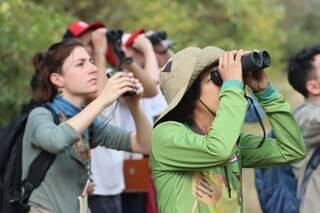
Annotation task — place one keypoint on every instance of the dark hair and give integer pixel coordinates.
(67, 35)
(51, 61)
(300, 69)
(183, 112)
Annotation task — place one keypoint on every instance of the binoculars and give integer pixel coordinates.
(255, 61)
(114, 38)
(251, 62)
(157, 37)
(114, 35)
(109, 73)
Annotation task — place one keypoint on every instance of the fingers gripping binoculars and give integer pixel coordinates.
(251, 62)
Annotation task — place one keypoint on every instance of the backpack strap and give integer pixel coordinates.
(37, 170)
(311, 166)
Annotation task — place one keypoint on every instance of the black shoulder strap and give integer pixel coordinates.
(56, 119)
(251, 102)
(312, 164)
(38, 169)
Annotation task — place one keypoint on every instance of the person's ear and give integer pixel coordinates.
(313, 87)
(57, 79)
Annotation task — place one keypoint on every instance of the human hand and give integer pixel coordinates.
(133, 101)
(142, 43)
(256, 80)
(117, 85)
(90, 188)
(99, 40)
(230, 65)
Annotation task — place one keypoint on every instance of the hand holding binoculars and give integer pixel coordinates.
(251, 62)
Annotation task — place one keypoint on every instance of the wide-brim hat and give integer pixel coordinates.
(181, 71)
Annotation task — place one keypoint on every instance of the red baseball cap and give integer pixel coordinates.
(78, 28)
(133, 36)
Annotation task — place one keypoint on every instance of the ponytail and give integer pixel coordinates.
(46, 63)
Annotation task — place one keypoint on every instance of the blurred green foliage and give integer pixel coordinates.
(25, 28)
(28, 26)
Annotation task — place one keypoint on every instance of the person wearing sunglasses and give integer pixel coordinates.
(198, 148)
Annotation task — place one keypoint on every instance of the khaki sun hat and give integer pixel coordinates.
(182, 70)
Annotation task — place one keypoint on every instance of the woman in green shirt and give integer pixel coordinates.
(67, 81)
(198, 149)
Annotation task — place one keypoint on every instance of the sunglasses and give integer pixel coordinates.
(215, 77)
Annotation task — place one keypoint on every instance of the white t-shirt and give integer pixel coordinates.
(152, 107)
(107, 164)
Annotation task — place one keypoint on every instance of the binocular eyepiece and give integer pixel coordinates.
(251, 62)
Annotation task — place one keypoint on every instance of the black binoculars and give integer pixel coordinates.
(157, 37)
(114, 35)
(114, 38)
(109, 73)
(251, 62)
(255, 61)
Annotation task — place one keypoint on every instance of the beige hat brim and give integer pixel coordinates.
(187, 65)
(176, 99)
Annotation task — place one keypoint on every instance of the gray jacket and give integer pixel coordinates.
(67, 175)
(308, 119)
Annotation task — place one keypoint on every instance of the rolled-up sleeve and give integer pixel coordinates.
(112, 137)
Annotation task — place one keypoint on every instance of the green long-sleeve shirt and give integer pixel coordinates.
(202, 173)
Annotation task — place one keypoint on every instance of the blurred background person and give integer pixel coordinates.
(304, 77)
(296, 187)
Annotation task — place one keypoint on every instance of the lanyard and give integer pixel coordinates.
(83, 148)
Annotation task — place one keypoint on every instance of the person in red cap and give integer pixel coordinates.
(110, 184)
(110, 160)
(93, 37)
(140, 202)
(147, 71)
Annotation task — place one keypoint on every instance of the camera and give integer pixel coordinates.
(251, 62)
